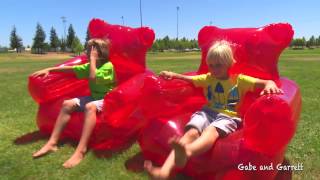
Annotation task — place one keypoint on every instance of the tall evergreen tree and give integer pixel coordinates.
(70, 37)
(87, 39)
(63, 44)
(54, 40)
(303, 43)
(312, 41)
(15, 40)
(38, 40)
(77, 47)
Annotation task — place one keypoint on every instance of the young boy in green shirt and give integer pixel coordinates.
(219, 116)
(101, 76)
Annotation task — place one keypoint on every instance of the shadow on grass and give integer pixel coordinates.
(103, 153)
(37, 135)
(30, 138)
(135, 164)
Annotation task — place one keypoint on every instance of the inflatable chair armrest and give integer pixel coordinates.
(58, 85)
(270, 122)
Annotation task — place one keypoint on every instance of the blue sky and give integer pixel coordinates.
(157, 14)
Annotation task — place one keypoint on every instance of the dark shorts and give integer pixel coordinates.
(82, 101)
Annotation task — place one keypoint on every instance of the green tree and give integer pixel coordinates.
(76, 46)
(87, 38)
(161, 45)
(194, 43)
(297, 42)
(15, 40)
(46, 46)
(318, 41)
(63, 44)
(311, 42)
(303, 42)
(71, 36)
(38, 40)
(292, 43)
(166, 42)
(155, 46)
(54, 40)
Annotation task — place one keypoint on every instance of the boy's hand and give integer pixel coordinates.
(93, 54)
(167, 75)
(44, 73)
(271, 88)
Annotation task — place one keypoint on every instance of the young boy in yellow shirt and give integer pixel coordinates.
(219, 116)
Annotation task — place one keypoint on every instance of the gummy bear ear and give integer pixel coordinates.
(100, 29)
(205, 37)
(256, 50)
(97, 28)
(146, 36)
(281, 33)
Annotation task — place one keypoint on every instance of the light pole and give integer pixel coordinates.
(122, 20)
(140, 15)
(178, 22)
(64, 25)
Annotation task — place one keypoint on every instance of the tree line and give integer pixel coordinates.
(72, 43)
(183, 44)
(300, 43)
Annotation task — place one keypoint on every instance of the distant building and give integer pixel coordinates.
(3, 49)
(22, 49)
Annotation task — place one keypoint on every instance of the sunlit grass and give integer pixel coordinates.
(18, 112)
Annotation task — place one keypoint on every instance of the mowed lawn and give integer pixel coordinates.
(18, 112)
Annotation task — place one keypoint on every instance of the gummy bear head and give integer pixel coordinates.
(256, 50)
(128, 46)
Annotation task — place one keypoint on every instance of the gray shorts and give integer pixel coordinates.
(82, 101)
(206, 117)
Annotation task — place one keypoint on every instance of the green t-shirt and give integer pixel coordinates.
(105, 78)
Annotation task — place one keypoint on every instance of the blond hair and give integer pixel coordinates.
(102, 46)
(220, 52)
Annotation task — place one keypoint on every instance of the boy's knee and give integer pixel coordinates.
(90, 107)
(213, 131)
(193, 133)
(68, 105)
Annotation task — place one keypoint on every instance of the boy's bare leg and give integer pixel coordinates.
(183, 151)
(68, 107)
(89, 124)
(164, 171)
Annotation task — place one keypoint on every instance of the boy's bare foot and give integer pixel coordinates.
(180, 153)
(47, 148)
(74, 160)
(155, 173)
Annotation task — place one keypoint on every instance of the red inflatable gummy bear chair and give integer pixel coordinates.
(269, 122)
(127, 53)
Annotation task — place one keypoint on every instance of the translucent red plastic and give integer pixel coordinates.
(150, 109)
(269, 122)
(127, 53)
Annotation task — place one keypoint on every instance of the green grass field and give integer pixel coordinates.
(18, 112)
